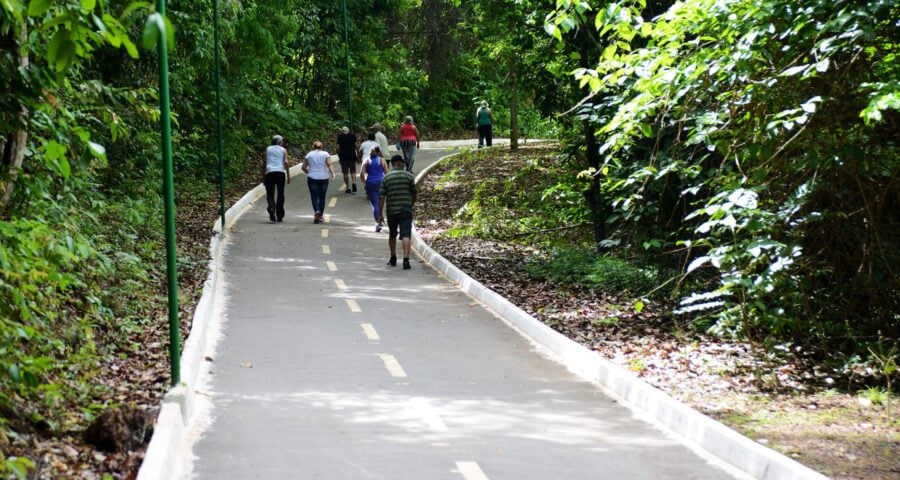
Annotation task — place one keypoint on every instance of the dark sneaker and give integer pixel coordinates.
(392, 262)
(354, 188)
(406, 265)
(280, 219)
(347, 191)
(272, 216)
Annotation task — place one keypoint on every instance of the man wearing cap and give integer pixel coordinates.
(381, 138)
(277, 172)
(346, 150)
(398, 188)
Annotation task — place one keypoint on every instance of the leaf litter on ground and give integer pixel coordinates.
(783, 399)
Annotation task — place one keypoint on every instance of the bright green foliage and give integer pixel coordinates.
(756, 142)
(535, 197)
(593, 271)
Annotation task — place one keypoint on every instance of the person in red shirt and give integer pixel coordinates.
(409, 142)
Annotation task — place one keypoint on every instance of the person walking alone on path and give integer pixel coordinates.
(381, 138)
(398, 189)
(277, 172)
(317, 167)
(409, 142)
(372, 172)
(346, 150)
(485, 120)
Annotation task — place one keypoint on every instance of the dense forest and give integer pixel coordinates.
(741, 154)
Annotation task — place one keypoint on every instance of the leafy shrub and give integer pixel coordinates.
(756, 141)
(538, 196)
(586, 268)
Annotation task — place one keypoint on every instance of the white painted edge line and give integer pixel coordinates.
(161, 460)
(722, 442)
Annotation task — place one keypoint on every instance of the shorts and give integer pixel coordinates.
(400, 221)
(348, 164)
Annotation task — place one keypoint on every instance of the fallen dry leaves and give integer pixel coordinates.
(783, 399)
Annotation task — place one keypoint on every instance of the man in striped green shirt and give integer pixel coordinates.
(398, 188)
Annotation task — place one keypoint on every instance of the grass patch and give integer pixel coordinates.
(587, 269)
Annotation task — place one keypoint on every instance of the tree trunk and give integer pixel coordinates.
(514, 110)
(600, 209)
(13, 150)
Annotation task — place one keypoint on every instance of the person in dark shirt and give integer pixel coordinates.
(346, 150)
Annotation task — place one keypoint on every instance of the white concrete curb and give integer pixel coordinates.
(722, 442)
(161, 461)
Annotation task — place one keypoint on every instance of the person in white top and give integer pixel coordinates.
(277, 172)
(381, 138)
(317, 166)
(365, 149)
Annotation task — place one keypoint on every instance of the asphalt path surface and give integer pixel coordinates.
(332, 365)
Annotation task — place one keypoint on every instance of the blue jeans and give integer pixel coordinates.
(372, 190)
(317, 191)
(409, 153)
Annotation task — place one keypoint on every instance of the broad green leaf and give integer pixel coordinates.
(170, 33)
(13, 7)
(609, 52)
(38, 7)
(152, 29)
(550, 29)
(88, 5)
(58, 46)
(793, 71)
(646, 130)
(66, 56)
(64, 167)
(697, 263)
(97, 150)
(130, 47)
(54, 150)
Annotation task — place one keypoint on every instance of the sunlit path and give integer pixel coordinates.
(333, 365)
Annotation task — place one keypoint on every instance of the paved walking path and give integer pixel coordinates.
(332, 365)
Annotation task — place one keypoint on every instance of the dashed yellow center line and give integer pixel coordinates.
(325, 233)
(326, 249)
(340, 284)
(470, 471)
(392, 365)
(327, 218)
(370, 332)
(333, 202)
(331, 266)
(354, 307)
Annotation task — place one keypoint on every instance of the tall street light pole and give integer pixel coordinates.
(169, 199)
(349, 85)
(219, 115)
